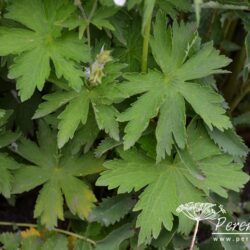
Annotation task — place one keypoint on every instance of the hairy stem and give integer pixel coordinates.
(58, 230)
(146, 46)
(194, 235)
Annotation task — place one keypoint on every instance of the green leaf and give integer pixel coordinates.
(28, 80)
(97, 100)
(7, 165)
(115, 238)
(171, 182)
(243, 119)
(189, 71)
(173, 7)
(229, 142)
(163, 93)
(165, 237)
(31, 243)
(56, 242)
(10, 241)
(8, 137)
(112, 209)
(100, 19)
(210, 108)
(106, 145)
(70, 118)
(53, 102)
(106, 119)
(138, 123)
(2, 113)
(40, 41)
(49, 204)
(9, 37)
(82, 245)
(79, 196)
(101, 15)
(147, 12)
(86, 135)
(190, 164)
(170, 130)
(58, 176)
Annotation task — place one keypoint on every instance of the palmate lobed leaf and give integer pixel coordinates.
(96, 101)
(42, 43)
(99, 18)
(58, 175)
(171, 183)
(165, 92)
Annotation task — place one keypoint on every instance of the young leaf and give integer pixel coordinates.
(39, 42)
(164, 92)
(170, 183)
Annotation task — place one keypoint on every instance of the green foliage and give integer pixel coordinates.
(97, 99)
(58, 175)
(180, 63)
(113, 240)
(111, 117)
(6, 136)
(7, 165)
(229, 142)
(99, 19)
(172, 179)
(39, 42)
(10, 241)
(112, 210)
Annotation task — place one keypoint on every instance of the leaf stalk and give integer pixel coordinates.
(146, 38)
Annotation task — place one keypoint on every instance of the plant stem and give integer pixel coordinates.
(146, 46)
(240, 96)
(216, 5)
(92, 12)
(87, 18)
(7, 223)
(232, 85)
(194, 235)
